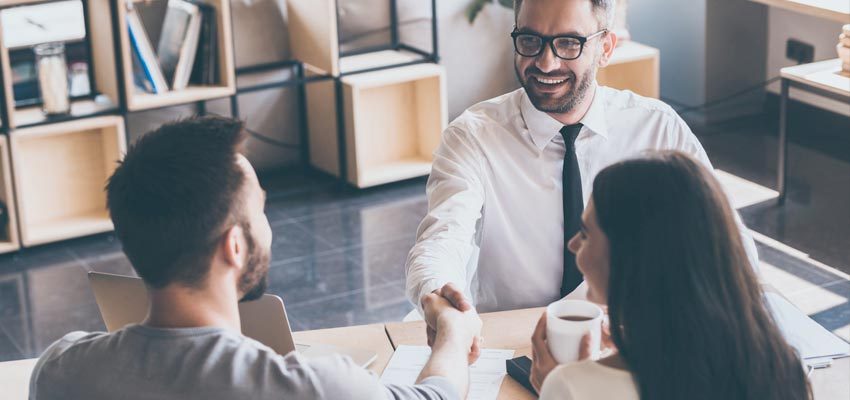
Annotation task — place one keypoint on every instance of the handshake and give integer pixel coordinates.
(452, 322)
(453, 326)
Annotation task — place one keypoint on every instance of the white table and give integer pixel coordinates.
(822, 78)
(836, 10)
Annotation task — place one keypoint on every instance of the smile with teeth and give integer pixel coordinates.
(550, 81)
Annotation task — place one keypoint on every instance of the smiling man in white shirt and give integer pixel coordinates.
(512, 174)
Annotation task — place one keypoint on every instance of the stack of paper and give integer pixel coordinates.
(485, 378)
(812, 341)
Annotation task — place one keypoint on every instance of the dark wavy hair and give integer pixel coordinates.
(690, 318)
(174, 194)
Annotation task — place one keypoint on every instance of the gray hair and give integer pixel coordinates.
(604, 10)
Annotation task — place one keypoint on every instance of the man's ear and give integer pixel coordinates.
(609, 42)
(233, 247)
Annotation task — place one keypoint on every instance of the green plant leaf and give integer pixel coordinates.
(507, 3)
(475, 8)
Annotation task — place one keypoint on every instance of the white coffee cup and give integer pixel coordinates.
(564, 336)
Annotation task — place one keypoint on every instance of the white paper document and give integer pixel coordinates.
(485, 376)
(813, 341)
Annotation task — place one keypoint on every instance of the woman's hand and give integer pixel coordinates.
(608, 346)
(542, 361)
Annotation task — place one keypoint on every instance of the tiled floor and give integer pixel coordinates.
(338, 253)
(816, 216)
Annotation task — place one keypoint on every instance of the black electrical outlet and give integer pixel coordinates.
(800, 52)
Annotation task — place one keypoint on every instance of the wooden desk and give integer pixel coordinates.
(502, 330)
(370, 337)
(513, 329)
(832, 383)
(823, 78)
(836, 10)
(15, 378)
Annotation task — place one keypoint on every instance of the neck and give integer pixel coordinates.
(578, 112)
(178, 306)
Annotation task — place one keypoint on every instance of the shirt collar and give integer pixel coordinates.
(543, 128)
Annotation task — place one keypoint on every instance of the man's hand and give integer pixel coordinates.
(443, 320)
(456, 298)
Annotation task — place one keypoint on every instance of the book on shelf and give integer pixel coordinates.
(205, 70)
(178, 42)
(140, 78)
(148, 73)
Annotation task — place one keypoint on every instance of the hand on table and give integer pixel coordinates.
(446, 309)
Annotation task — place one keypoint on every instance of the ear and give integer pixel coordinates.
(234, 247)
(609, 42)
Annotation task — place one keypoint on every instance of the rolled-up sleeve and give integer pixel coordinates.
(446, 237)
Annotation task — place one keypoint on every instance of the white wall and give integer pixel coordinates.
(678, 29)
(821, 33)
(478, 58)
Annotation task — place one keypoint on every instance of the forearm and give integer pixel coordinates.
(445, 240)
(449, 358)
(428, 272)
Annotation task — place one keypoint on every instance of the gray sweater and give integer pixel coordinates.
(140, 362)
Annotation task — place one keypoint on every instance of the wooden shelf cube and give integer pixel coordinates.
(28, 116)
(314, 39)
(227, 76)
(634, 67)
(60, 171)
(393, 122)
(102, 57)
(8, 234)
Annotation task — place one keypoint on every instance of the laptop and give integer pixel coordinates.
(123, 300)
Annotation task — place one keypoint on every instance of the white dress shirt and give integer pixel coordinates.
(495, 215)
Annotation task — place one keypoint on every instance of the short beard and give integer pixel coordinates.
(254, 281)
(570, 100)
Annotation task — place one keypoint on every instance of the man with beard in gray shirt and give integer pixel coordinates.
(188, 209)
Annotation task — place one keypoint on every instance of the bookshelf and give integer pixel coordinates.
(380, 117)
(391, 123)
(53, 170)
(137, 101)
(9, 237)
(99, 33)
(67, 199)
(314, 39)
(634, 67)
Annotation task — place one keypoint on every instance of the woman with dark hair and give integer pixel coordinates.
(660, 247)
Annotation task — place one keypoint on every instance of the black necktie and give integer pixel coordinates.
(573, 207)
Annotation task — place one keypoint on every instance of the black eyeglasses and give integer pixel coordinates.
(566, 47)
